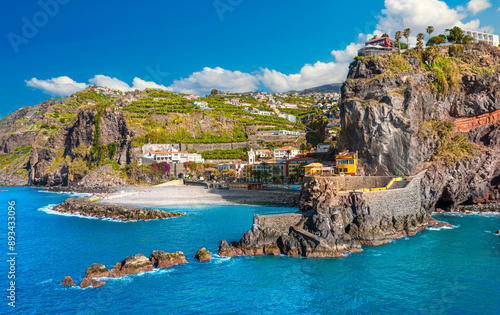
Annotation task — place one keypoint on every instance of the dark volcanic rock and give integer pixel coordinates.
(161, 259)
(85, 207)
(384, 113)
(203, 255)
(225, 250)
(68, 281)
(334, 223)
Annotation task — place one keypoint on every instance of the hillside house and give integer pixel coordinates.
(287, 152)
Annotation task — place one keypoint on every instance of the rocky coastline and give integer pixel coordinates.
(90, 208)
(129, 266)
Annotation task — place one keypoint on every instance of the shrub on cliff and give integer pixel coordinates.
(451, 147)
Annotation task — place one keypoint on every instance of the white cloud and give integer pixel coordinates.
(396, 16)
(346, 55)
(217, 78)
(116, 84)
(309, 76)
(417, 15)
(60, 86)
(476, 6)
(474, 26)
(64, 86)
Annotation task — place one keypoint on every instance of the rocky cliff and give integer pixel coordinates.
(399, 113)
(333, 222)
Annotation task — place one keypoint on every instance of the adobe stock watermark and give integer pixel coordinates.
(30, 27)
(370, 26)
(223, 6)
(156, 74)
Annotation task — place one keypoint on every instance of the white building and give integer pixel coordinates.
(490, 39)
(290, 118)
(175, 157)
(324, 147)
(287, 132)
(285, 153)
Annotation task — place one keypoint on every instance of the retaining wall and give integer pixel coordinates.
(354, 182)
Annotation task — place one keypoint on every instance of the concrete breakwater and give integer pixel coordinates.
(337, 216)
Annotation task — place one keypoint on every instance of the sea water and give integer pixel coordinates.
(447, 271)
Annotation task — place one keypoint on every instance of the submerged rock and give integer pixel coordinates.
(203, 255)
(435, 224)
(161, 259)
(68, 281)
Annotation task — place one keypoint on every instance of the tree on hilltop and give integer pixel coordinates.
(457, 35)
(430, 30)
(398, 37)
(420, 41)
(406, 34)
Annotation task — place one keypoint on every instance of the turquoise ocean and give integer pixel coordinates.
(447, 271)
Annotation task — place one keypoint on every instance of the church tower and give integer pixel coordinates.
(251, 157)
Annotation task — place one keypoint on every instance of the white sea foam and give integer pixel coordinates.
(492, 232)
(444, 228)
(69, 193)
(216, 259)
(49, 210)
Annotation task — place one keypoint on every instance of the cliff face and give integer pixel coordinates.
(49, 166)
(395, 112)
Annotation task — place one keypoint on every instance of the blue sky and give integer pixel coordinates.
(194, 46)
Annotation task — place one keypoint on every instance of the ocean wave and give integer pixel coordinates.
(130, 278)
(216, 259)
(492, 232)
(444, 228)
(69, 193)
(462, 214)
(45, 281)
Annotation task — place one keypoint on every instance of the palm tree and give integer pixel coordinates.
(420, 39)
(398, 36)
(430, 30)
(406, 34)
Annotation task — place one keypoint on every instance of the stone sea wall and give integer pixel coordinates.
(354, 182)
(333, 223)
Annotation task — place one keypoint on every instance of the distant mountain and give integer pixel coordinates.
(333, 87)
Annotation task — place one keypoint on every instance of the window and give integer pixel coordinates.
(351, 161)
(345, 161)
(345, 170)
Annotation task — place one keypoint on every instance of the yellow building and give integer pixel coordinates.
(317, 169)
(347, 162)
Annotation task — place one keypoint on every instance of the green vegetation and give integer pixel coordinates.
(451, 147)
(230, 154)
(446, 73)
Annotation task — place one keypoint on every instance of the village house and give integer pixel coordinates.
(347, 163)
(285, 153)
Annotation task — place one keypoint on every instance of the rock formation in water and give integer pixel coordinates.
(68, 281)
(161, 259)
(86, 207)
(129, 266)
(203, 255)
